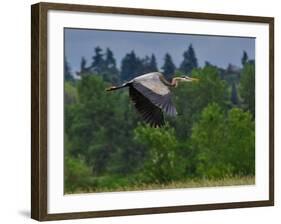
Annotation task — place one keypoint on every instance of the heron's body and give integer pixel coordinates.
(153, 82)
(151, 96)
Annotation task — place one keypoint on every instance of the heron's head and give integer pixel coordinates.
(188, 79)
(176, 80)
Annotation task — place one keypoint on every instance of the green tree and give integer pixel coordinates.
(224, 143)
(83, 66)
(85, 122)
(208, 139)
(147, 64)
(110, 61)
(191, 98)
(76, 174)
(189, 60)
(241, 142)
(163, 163)
(103, 65)
(168, 67)
(70, 93)
(247, 87)
(208, 64)
(110, 72)
(244, 59)
(144, 65)
(67, 71)
(153, 64)
(234, 95)
(100, 127)
(131, 66)
(98, 61)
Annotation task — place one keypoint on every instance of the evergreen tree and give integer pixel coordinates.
(110, 72)
(110, 62)
(153, 64)
(247, 87)
(83, 67)
(98, 61)
(145, 65)
(148, 64)
(189, 60)
(103, 65)
(234, 96)
(67, 71)
(244, 59)
(131, 66)
(207, 63)
(168, 67)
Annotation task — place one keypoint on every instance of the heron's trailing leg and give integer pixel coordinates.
(116, 87)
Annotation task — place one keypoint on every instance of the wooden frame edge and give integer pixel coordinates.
(39, 110)
(271, 110)
(155, 210)
(34, 113)
(154, 12)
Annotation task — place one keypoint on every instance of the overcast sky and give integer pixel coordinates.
(218, 50)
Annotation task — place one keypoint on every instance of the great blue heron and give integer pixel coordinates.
(151, 96)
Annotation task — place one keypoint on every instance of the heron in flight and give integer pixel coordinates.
(151, 96)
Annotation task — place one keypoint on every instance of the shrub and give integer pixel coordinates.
(163, 163)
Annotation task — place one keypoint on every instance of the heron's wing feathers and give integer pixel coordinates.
(153, 82)
(150, 113)
(164, 102)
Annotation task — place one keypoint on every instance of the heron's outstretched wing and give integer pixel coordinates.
(150, 113)
(164, 102)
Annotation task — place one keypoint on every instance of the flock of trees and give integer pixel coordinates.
(107, 146)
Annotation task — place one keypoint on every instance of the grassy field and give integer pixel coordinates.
(194, 183)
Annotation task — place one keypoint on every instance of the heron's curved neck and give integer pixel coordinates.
(174, 82)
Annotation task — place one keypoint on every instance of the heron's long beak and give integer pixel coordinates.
(192, 79)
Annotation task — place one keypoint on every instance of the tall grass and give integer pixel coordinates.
(127, 185)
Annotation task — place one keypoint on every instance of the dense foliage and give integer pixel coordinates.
(108, 147)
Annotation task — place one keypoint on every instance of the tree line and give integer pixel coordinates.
(108, 146)
(104, 63)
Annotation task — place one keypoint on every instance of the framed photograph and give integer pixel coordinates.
(139, 111)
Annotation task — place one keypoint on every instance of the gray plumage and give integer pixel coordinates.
(164, 102)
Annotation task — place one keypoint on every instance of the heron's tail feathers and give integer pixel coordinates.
(116, 87)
